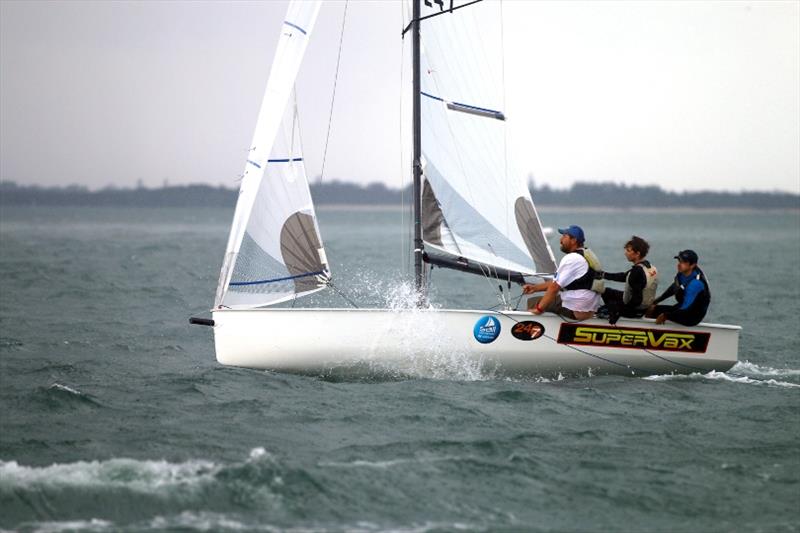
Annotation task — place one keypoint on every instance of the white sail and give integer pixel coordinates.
(475, 204)
(274, 250)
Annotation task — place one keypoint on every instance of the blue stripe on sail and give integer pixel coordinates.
(476, 108)
(286, 160)
(265, 281)
(295, 26)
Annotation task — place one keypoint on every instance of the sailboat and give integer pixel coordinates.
(471, 212)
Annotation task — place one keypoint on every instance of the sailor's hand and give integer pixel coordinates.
(528, 289)
(660, 319)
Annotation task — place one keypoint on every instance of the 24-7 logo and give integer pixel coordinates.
(653, 339)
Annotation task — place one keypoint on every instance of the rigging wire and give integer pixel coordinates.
(333, 96)
(405, 239)
(486, 270)
(505, 110)
(340, 293)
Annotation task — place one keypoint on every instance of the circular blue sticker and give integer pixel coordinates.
(486, 329)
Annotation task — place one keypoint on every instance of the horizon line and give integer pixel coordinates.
(315, 183)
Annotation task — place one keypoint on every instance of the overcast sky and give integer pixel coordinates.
(685, 95)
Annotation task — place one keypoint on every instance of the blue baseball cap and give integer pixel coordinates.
(573, 231)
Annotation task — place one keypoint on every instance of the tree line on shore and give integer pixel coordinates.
(581, 194)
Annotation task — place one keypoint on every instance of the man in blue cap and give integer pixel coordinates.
(570, 293)
(690, 289)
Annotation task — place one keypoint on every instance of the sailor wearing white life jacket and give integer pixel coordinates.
(570, 293)
(641, 283)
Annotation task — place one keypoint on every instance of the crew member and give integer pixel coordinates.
(641, 282)
(569, 293)
(690, 290)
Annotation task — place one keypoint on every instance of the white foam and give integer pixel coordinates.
(138, 476)
(751, 369)
(722, 376)
(258, 453)
(59, 386)
(383, 465)
(204, 521)
(95, 524)
(207, 521)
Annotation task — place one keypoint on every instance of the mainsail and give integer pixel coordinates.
(274, 250)
(475, 205)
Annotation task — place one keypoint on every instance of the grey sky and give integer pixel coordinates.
(686, 95)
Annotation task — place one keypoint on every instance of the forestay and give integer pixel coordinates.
(274, 250)
(475, 205)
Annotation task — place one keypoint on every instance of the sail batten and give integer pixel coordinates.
(467, 108)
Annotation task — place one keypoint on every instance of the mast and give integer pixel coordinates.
(417, 152)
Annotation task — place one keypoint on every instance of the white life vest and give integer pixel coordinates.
(649, 291)
(598, 285)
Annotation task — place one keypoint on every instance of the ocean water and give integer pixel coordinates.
(115, 416)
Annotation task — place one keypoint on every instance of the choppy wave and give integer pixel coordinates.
(259, 484)
(208, 521)
(382, 465)
(65, 388)
(130, 474)
(10, 343)
(722, 376)
(58, 396)
(95, 524)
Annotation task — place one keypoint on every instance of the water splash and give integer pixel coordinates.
(444, 357)
(400, 296)
(411, 325)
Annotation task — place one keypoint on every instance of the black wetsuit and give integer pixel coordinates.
(613, 298)
(693, 313)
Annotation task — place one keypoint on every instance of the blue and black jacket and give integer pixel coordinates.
(693, 295)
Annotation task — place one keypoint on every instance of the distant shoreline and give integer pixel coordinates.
(398, 208)
(609, 197)
(579, 209)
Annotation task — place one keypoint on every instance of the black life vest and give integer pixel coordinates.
(585, 281)
(702, 300)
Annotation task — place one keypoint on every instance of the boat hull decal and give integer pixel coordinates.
(527, 330)
(637, 338)
(486, 329)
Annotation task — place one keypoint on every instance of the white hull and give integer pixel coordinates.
(442, 342)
